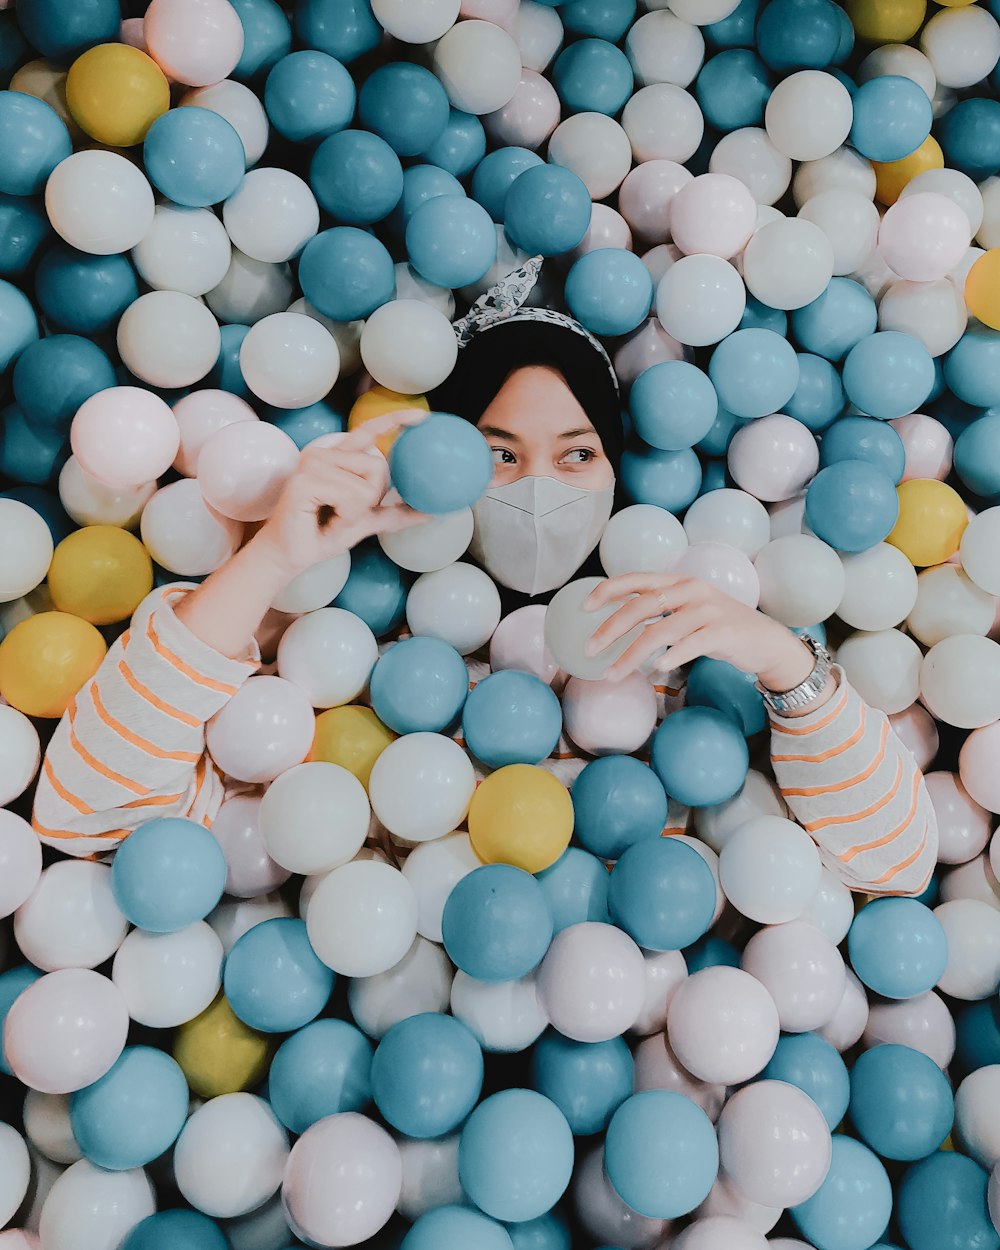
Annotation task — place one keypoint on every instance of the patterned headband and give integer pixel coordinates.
(505, 302)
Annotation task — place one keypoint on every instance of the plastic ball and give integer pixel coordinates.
(273, 980)
(854, 1202)
(593, 76)
(459, 603)
(264, 729)
(240, 107)
(609, 291)
(218, 1053)
(346, 274)
(807, 1061)
(441, 465)
(898, 947)
(420, 982)
(337, 908)
(461, 147)
(35, 141)
(197, 42)
(46, 659)
(591, 984)
(289, 360)
(577, 888)
(161, 1231)
(322, 1069)
(479, 65)
(617, 802)
(754, 372)
(901, 1102)
(662, 894)
(547, 210)
(62, 32)
(723, 1025)
(521, 815)
(960, 681)
(931, 524)
(87, 1201)
(308, 96)
(808, 115)
(26, 552)
(700, 756)
(194, 157)
(243, 467)
(511, 718)
(852, 505)
(405, 105)
(594, 147)
(979, 552)
(957, 1212)
(356, 177)
(642, 538)
(892, 117)
(449, 1227)
(419, 685)
(115, 93)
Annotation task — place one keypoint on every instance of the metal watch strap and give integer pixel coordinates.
(805, 692)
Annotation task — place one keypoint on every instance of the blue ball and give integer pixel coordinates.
(33, 140)
(304, 425)
(497, 924)
(548, 1232)
(799, 34)
(977, 1029)
(715, 476)
(836, 320)
(441, 465)
(662, 893)
(669, 479)
(511, 718)
(25, 455)
(755, 372)
(617, 802)
(714, 683)
(133, 1113)
(451, 241)
(892, 117)
(852, 1206)
(609, 291)
(226, 374)
(810, 1063)
(427, 1075)
(356, 177)
(547, 211)
(375, 589)
(62, 29)
(274, 980)
(819, 396)
(321, 1070)
(604, 19)
(593, 76)
(419, 685)
(168, 874)
(941, 1205)
(758, 316)
(169, 1230)
(14, 48)
(711, 952)
(901, 1102)
(720, 434)
(863, 438)
(12, 983)
(194, 157)
(455, 1228)
(54, 376)
(736, 30)
(576, 887)
(346, 273)
(420, 184)
(700, 755)
(18, 324)
(970, 136)
(733, 88)
(888, 374)
(346, 29)
(897, 947)
(48, 506)
(495, 175)
(852, 505)
(24, 228)
(267, 37)
(661, 1154)
(461, 145)
(406, 105)
(309, 96)
(972, 367)
(588, 1081)
(515, 1156)
(977, 454)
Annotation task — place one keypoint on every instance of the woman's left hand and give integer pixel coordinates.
(686, 619)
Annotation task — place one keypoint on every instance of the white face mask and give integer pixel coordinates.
(533, 534)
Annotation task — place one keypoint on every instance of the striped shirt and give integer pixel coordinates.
(131, 746)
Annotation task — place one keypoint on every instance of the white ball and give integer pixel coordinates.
(89, 1208)
(314, 817)
(251, 289)
(362, 918)
(662, 47)
(843, 170)
(723, 1025)
(832, 908)
(788, 263)
(538, 32)
(506, 1016)
(15, 1172)
(729, 516)
(91, 502)
(663, 122)
(479, 64)
(47, 1127)
(956, 186)
(420, 982)
(801, 580)
(758, 796)
(809, 115)
(432, 544)
(949, 602)
(421, 786)
(980, 550)
(230, 1156)
(975, 1122)
(347, 334)
(962, 45)
(934, 313)
(430, 1175)
(924, 236)
(960, 681)
(20, 752)
(184, 534)
(642, 539)
(422, 22)
(902, 61)
(802, 970)
(665, 970)
(408, 346)
(168, 339)
(595, 148)
(850, 221)
(167, 979)
(185, 249)
(71, 919)
(770, 870)
(25, 549)
(988, 234)
(99, 202)
(972, 929)
(434, 869)
(20, 849)
(700, 299)
(883, 666)
(923, 1023)
(271, 215)
(880, 588)
(459, 604)
(289, 360)
(243, 468)
(720, 1232)
(315, 586)
(241, 107)
(329, 655)
(235, 916)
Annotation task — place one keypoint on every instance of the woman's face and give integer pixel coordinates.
(536, 428)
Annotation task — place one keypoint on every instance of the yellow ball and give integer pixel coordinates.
(378, 401)
(352, 737)
(892, 176)
(100, 573)
(982, 289)
(115, 93)
(219, 1054)
(932, 519)
(886, 21)
(521, 815)
(46, 659)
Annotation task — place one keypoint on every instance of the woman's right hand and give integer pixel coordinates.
(336, 497)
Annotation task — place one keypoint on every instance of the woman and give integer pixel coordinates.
(542, 390)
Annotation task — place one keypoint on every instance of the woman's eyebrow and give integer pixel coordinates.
(494, 431)
(588, 429)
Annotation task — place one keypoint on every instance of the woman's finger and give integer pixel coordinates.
(367, 434)
(642, 607)
(390, 518)
(614, 588)
(697, 644)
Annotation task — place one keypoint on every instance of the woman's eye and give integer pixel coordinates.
(579, 455)
(503, 455)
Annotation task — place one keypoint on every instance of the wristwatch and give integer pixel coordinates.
(806, 691)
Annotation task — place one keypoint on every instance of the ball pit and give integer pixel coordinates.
(432, 978)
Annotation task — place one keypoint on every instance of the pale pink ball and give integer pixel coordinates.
(927, 444)
(773, 458)
(609, 717)
(519, 642)
(649, 345)
(726, 568)
(608, 228)
(917, 730)
(131, 34)
(243, 468)
(924, 236)
(124, 436)
(714, 214)
(250, 870)
(199, 415)
(528, 117)
(660, 258)
(264, 729)
(499, 11)
(977, 766)
(646, 197)
(964, 826)
(197, 42)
